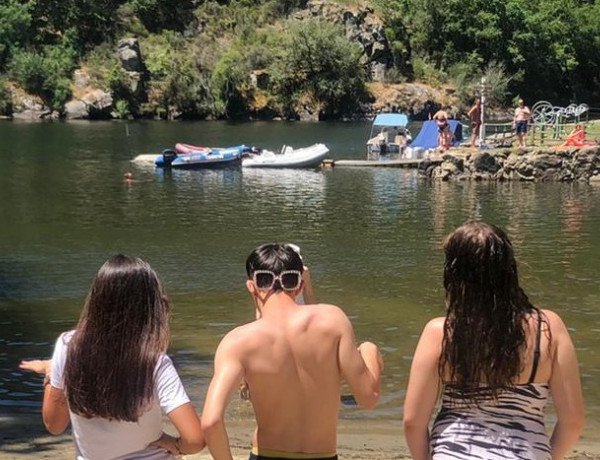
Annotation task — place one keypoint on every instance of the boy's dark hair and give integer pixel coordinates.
(274, 257)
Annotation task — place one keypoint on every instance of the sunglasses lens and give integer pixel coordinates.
(290, 281)
(264, 280)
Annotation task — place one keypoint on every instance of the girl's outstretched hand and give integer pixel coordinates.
(39, 366)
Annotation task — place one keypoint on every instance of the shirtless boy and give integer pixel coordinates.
(522, 115)
(475, 116)
(292, 358)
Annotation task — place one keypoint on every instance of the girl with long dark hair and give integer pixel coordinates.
(495, 358)
(111, 377)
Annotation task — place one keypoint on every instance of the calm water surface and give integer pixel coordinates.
(371, 237)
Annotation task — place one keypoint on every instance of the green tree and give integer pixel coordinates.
(178, 86)
(586, 43)
(158, 15)
(94, 21)
(15, 21)
(46, 74)
(229, 77)
(546, 46)
(318, 65)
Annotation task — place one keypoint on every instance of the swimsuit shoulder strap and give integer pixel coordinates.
(536, 351)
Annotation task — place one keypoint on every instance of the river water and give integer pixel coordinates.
(372, 238)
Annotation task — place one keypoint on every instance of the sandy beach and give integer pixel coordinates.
(23, 437)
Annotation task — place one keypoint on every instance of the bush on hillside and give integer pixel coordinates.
(90, 22)
(159, 15)
(15, 20)
(178, 86)
(316, 63)
(229, 79)
(47, 74)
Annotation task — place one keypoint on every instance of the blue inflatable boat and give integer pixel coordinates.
(216, 158)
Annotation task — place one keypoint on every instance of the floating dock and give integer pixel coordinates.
(397, 163)
(146, 158)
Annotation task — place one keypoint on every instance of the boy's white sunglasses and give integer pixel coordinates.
(289, 280)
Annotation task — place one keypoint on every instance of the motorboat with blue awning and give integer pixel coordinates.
(389, 135)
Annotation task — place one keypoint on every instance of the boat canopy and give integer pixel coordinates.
(391, 119)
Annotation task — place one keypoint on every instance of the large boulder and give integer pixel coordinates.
(28, 107)
(76, 110)
(100, 103)
(94, 104)
(130, 55)
(132, 62)
(483, 162)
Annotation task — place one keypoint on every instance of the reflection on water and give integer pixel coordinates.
(372, 238)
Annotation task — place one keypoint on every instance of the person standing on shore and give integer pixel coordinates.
(474, 115)
(496, 360)
(292, 358)
(111, 378)
(520, 120)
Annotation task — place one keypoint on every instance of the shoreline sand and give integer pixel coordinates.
(22, 437)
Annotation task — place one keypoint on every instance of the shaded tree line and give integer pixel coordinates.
(547, 48)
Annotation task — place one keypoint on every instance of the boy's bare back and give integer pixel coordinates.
(291, 367)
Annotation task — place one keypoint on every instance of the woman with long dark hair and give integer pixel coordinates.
(495, 358)
(111, 377)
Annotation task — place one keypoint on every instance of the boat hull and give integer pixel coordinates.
(309, 157)
(207, 164)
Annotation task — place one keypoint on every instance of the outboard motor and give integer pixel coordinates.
(168, 156)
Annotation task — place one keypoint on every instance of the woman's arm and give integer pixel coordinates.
(175, 403)
(187, 423)
(565, 387)
(55, 410)
(423, 389)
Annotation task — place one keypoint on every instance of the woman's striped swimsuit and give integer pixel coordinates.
(510, 427)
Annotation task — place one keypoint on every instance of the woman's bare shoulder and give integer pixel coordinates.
(434, 329)
(552, 318)
(436, 324)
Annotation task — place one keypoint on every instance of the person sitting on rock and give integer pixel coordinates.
(576, 138)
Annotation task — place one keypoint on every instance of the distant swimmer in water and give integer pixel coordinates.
(128, 177)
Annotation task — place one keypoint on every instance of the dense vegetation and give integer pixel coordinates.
(548, 48)
(200, 54)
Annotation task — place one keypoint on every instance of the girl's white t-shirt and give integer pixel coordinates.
(102, 439)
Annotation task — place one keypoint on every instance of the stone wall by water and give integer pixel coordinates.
(529, 164)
